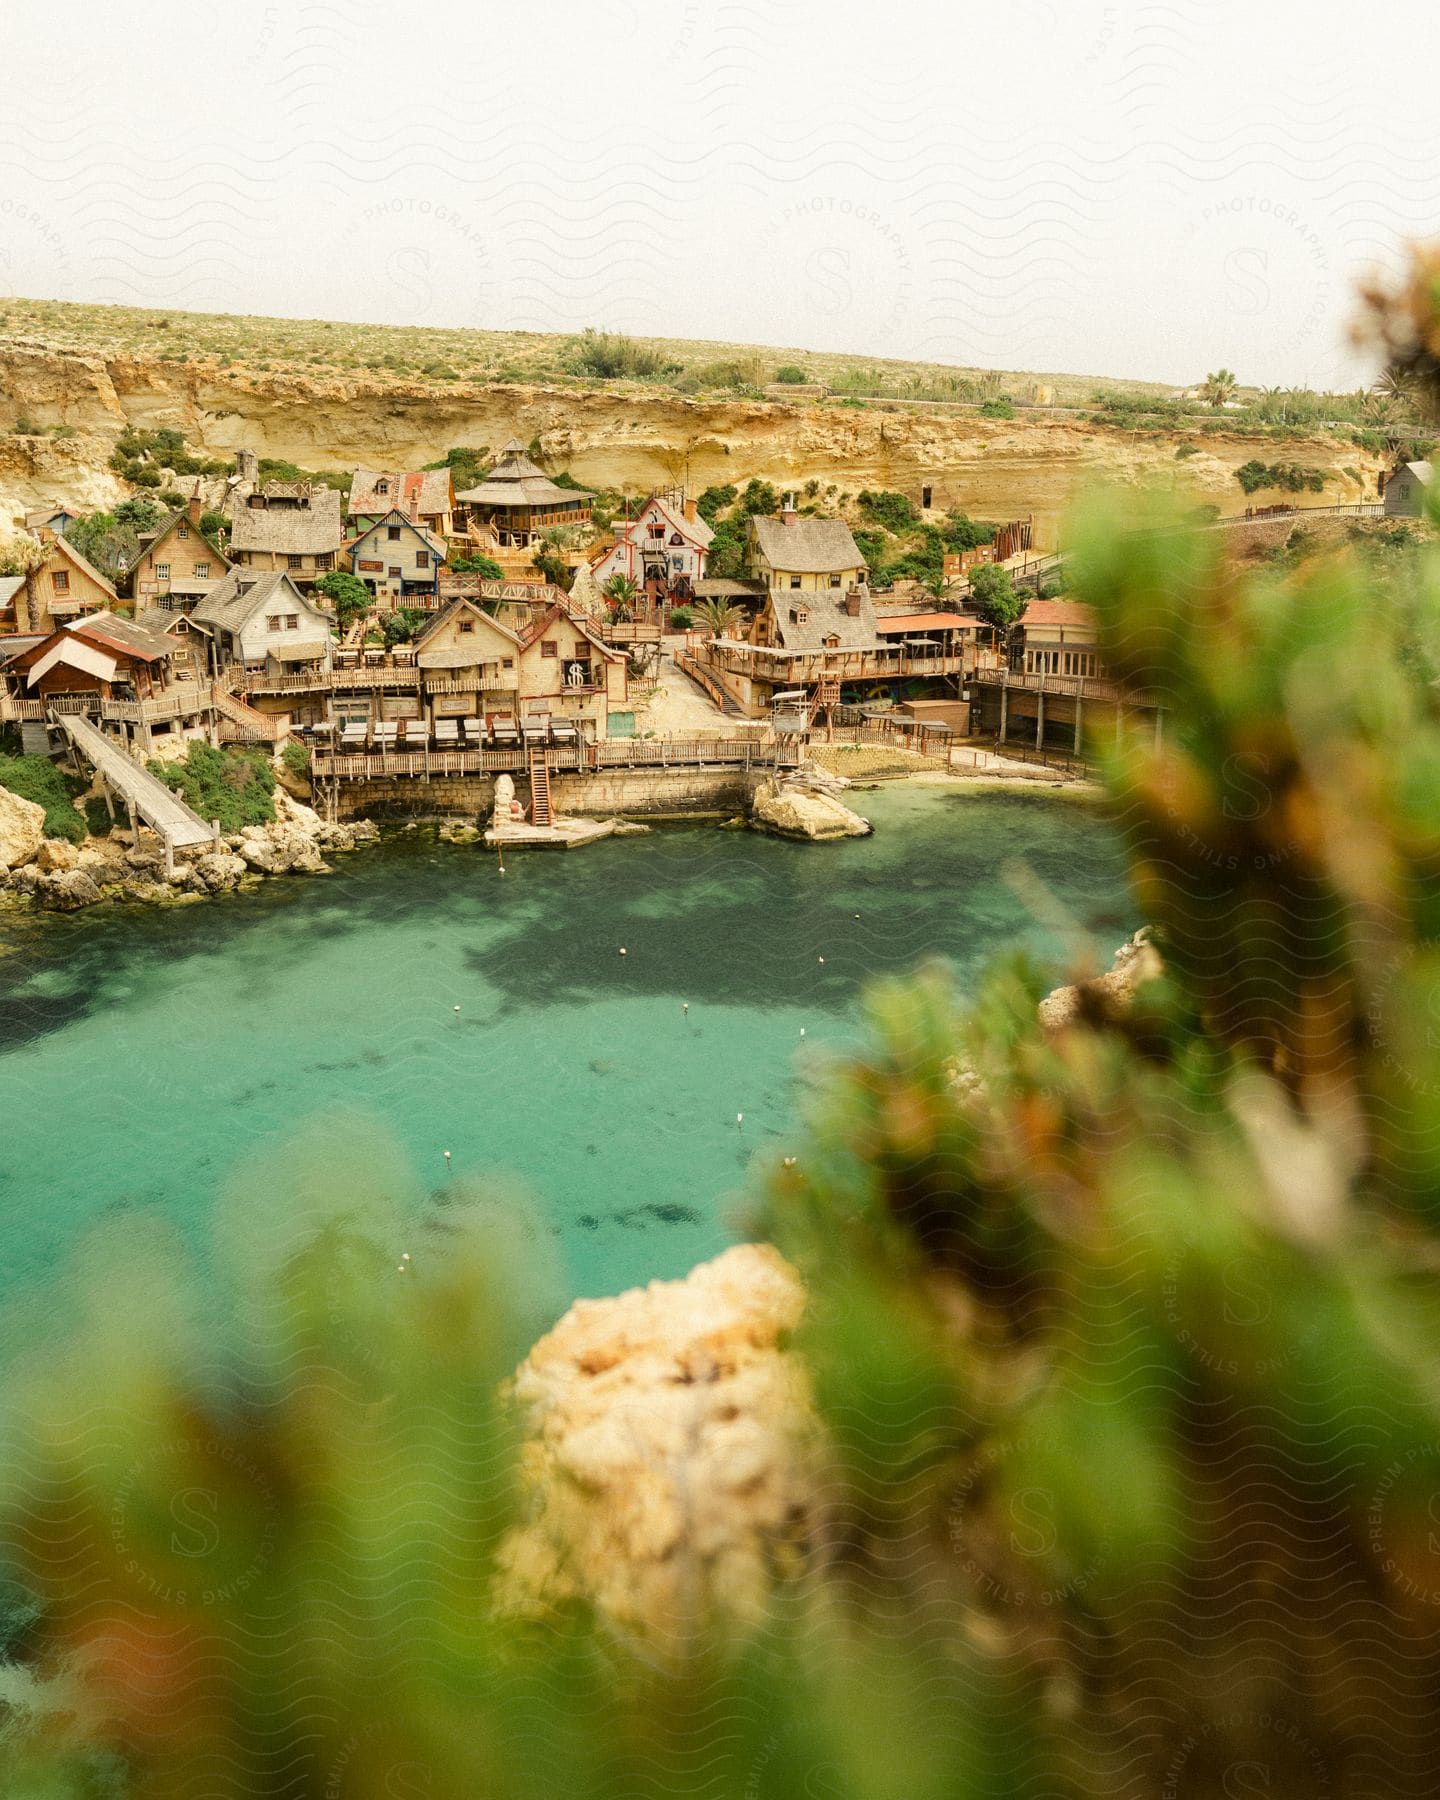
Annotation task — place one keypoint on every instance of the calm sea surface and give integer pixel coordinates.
(145, 1056)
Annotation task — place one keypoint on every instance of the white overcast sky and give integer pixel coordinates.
(1148, 189)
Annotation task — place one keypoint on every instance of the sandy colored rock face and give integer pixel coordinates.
(804, 813)
(1135, 963)
(55, 856)
(669, 1438)
(22, 830)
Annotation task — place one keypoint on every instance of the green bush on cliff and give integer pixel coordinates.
(37, 779)
(234, 786)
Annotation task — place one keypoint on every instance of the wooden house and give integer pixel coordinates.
(139, 684)
(1056, 637)
(399, 561)
(795, 554)
(425, 497)
(662, 549)
(294, 527)
(58, 518)
(64, 586)
(518, 501)
(264, 621)
(1406, 489)
(177, 565)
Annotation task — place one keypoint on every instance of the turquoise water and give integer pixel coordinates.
(144, 1054)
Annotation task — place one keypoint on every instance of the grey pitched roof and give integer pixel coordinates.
(415, 493)
(436, 545)
(807, 546)
(233, 602)
(10, 585)
(821, 615)
(289, 530)
(516, 481)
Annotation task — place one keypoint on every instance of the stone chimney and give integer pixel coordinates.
(787, 510)
(690, 509)
(247, 470)
(194, 507)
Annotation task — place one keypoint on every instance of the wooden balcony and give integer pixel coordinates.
(797, 668)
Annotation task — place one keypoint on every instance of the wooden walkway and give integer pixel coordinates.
(146, 795)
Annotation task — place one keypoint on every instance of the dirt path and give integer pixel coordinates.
(680, 707)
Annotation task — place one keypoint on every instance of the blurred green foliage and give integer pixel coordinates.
(1122, 1330)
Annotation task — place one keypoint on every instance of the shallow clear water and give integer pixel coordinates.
(143, 1054)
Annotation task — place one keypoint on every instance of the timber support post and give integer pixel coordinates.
(1040, 715)
(1079, 708)
(215, 833)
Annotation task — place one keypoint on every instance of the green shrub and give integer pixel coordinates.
(36, 778)
(611, 356)
(896, 512)
(681, 618)
(296, 756)
(714, 501)
(233, 786)
(790, 374)
(478, 565)
(1289, 477)
(1003, 408)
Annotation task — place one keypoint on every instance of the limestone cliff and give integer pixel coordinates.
(631, 438)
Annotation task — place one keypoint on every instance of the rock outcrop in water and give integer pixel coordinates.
(669, 1456)
(805, 804)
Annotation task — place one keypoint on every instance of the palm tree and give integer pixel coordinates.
(718, 615)
(1219, 387)
(937, 584)
(622, 591)
(25, 556)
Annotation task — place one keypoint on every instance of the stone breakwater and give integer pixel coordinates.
(63, 877)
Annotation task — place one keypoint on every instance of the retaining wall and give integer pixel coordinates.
(638, 792)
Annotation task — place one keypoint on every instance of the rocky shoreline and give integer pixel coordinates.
(58, 876)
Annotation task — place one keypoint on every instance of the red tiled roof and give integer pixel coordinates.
(926, 621)
(1058, 612)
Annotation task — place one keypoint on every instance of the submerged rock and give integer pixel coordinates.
(66, 891)
(669, 1454)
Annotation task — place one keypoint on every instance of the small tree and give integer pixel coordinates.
(622, 591)
(717, 615)
(347, 594)
(1219, 387)
(992, 593)
(403, 625)
(476, 564)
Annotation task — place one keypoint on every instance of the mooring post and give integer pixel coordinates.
(215, 833)
(169, 843)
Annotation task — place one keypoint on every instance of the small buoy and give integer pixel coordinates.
(789, 1162)
(857, 915)
(802, 1031)
(447, 1156)
(740, 1119)
(685, 1006)
(457, 1009)
(404, 1256)
(623, 951)
(822, 959)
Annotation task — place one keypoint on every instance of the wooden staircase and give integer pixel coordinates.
(540, 813)
(248, 723)
(827, 698)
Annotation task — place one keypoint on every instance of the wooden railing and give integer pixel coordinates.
(610, 753)
(796, 668)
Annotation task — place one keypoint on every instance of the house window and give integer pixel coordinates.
(467, 625)
(292, 621)
(162, 571)
(325, 560)
(835, 581)
(549, 649)
(394, 572)
(422, 559)
(202, 571)
(60, 581)
(295, 562)
(272, 621)
(794, 581)
(182, 530)
(393, 533)
(382, 487)
(166, 603)
(832, 642)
